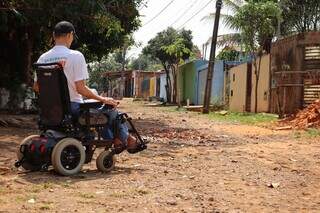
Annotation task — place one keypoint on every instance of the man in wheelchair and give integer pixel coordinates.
(65, 116)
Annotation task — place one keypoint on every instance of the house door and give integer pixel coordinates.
(201, 86)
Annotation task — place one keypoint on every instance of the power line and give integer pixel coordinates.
(156, 16)
(143, 5)
(184, 13)
(195, 14)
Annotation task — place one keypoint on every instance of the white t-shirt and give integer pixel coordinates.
(75, 68)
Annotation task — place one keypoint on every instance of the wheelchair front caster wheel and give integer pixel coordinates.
(68, 157)
(106, 161)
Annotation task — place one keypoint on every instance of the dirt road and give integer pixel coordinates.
(193, 164)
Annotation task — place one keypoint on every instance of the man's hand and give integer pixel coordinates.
(35, 87)
(110, 102)
(82, 89)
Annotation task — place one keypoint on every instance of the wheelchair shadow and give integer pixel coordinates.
(86, 175)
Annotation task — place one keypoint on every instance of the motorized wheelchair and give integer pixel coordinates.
(67, 142)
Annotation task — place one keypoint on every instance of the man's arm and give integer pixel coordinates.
(35, 87)
(83, 90)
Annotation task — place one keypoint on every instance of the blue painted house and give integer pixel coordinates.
(192, 78)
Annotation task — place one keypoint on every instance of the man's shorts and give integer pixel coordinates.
(107, 132)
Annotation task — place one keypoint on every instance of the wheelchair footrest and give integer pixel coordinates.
(139, 148)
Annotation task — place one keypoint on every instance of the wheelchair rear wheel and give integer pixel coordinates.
(68, 157)
(106, 161)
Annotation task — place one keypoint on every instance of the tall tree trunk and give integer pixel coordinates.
(27, 57)
(168, 86)
(174, 74)
(178, 90)
(257, 74)
(123, 67)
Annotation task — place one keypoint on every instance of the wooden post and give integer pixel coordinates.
(207, 95)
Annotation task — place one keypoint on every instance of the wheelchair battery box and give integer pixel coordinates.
(38, 151)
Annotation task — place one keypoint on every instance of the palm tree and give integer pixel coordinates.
(232, 40)
(256, 23)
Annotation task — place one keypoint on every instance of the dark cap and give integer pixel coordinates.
(64, 27)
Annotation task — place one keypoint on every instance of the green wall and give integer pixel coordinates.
(186, 78)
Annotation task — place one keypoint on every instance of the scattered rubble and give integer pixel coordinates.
(306, 118)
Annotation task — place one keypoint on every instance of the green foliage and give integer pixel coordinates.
(26, 29)
(228, 54)
(300, 16)
(256, 22)
(98, 68)
(178, 50)
(145, 62)
(167, 39)
(170, 47)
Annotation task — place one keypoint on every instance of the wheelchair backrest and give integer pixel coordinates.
(54, 99)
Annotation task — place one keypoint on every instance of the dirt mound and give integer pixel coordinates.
(18, 121)
(306, 118)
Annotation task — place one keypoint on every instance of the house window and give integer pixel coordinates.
(265, 95)
(312, 57)
(234, 77)
(231, 93)
(312, 53)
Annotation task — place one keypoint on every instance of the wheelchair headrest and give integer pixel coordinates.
(50, 66)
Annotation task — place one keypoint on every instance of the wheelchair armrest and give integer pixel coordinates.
(88, 104)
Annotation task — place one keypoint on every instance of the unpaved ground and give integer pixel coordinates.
(192, 165)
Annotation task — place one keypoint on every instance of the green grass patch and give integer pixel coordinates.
(48, 185)
(45, 207)
(174, 109)
(312, 133)
(87, 195)
(244, 118)
(2, 190)
(309, 133)
(234, 117)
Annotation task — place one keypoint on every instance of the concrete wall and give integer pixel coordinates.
(192, 78)
(263, 86)
(145, 84)
(187, 82)
(217, 95)
(238, 88)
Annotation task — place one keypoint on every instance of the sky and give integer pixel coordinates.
(177, 14)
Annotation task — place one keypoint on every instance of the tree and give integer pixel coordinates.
(300, 16)
(256, 21)
(145, 62)
(98, 68)
(229, 54)
(177, 51)
(26, 29)
(235, 39)
(121, 57)
(165, 47)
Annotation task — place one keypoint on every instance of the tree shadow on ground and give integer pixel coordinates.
(159, 146)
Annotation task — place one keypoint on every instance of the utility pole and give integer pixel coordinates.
(207, 95)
